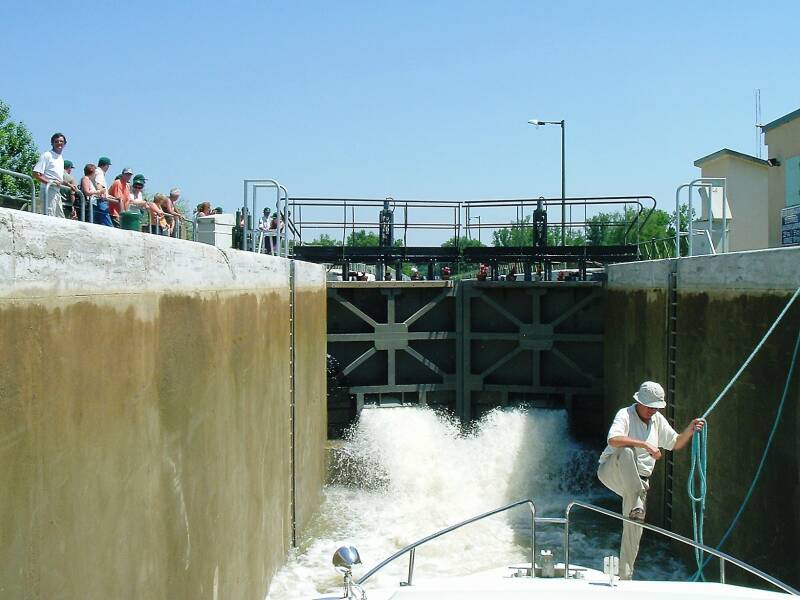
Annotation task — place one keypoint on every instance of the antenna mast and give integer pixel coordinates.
(758, 123)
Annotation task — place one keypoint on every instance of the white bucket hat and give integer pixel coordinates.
(651, 395)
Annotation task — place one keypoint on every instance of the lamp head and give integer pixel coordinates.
(536, 122)
(344, 559)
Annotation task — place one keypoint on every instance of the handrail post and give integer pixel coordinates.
(46, 198)
(411, 556)
(678, 219)
(721, 570)
(83, 205)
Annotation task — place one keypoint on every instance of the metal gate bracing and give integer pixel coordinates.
(388, 336)
(551, 339)
(472, 345)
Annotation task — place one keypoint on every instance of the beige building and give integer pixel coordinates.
(746, 186)
(782, 136)
(759, 191)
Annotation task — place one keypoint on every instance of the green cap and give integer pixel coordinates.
(68, 164)
(103, 161)
(218, 210)
(139, 179)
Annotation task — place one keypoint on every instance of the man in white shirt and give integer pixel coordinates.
(626, 464)
(49, 169)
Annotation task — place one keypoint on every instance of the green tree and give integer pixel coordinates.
(325, 240)
(364, 238)
(607, 229)
(463, 242)
(17, 153)
(520, 233)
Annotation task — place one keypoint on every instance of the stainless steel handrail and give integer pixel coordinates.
(675, 536)
(723, 557)
(412, 547)
(26, 178)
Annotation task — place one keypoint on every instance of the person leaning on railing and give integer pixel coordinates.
(49, 170)
(158, 220)
(96, 197)
(68, 193)
(174, 215)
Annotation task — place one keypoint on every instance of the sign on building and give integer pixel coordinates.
(790, 225)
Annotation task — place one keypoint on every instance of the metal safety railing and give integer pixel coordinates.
(723, 557)
(411, 548)
(250, 231)
(180, 226)
(707, 185)
(59, 198)
(455, 218)
(27, 178)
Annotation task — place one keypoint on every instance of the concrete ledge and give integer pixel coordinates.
(776, 269)
(309, 276)
(772, 270)
(45, 256)
(650, 274)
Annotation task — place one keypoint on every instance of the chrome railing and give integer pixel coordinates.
(411, 548)
(723, 557)
(27, 178)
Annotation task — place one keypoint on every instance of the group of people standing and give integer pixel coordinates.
(125, 193)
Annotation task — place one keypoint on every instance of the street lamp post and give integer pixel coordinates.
(537, 122)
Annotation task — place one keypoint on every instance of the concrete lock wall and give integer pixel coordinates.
(145, 413)
(725, 304)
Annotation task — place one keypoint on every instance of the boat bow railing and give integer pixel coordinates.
(722, 556)
(411, 548)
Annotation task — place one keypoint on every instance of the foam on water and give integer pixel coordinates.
(406, 472)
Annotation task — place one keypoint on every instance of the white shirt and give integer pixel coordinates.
(137, 198)
(656, 433)
(51, 165)
(99, 178)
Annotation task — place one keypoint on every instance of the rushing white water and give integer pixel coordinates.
(406, 472)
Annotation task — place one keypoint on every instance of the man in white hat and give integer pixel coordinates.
(634, 439)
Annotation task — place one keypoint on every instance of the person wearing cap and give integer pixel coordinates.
(137, 199)
(103, 206)
(635, 438)
(68, 195)
(49, 169)
(121, 192)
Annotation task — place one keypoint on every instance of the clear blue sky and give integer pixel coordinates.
(405, 99)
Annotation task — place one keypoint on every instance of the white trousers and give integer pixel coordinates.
(620, 475)
(54, 206)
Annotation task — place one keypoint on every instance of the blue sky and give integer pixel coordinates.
(404, 99)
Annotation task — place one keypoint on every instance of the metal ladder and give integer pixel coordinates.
(672, 361)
